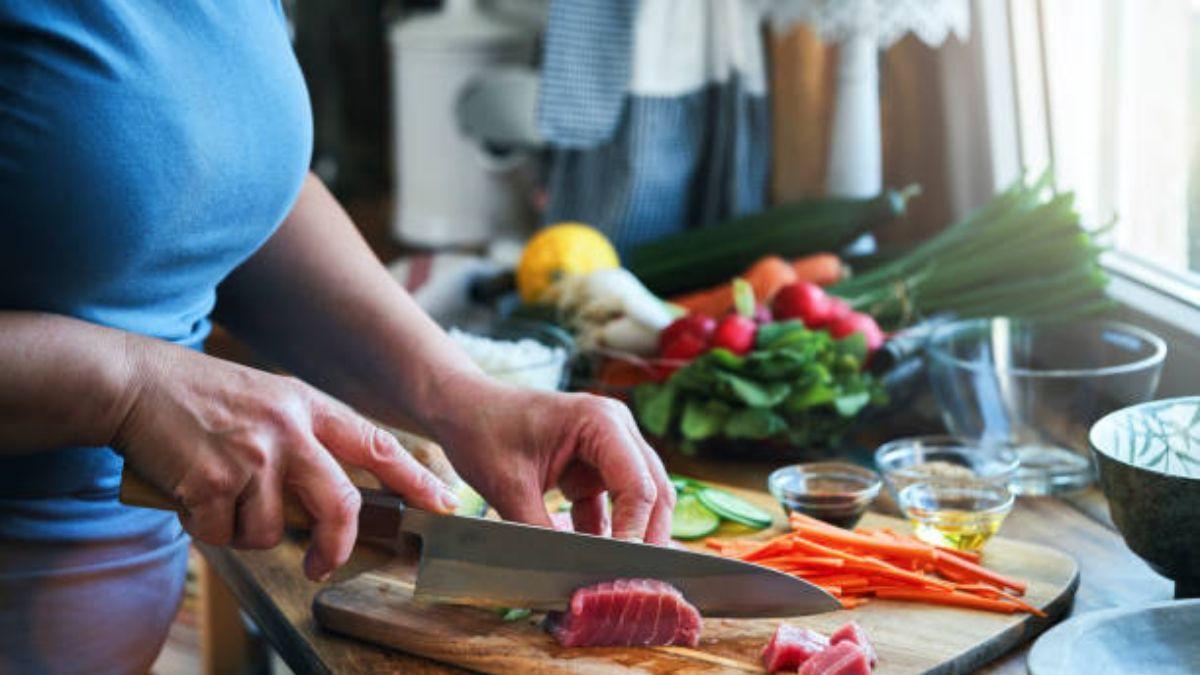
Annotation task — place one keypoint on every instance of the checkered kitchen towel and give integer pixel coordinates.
(655, 112)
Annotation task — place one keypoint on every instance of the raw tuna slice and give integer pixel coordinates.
(844, 658)
(626, 613)
(852, 632)
(791, 646)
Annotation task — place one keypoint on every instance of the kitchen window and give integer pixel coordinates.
(1107, 92)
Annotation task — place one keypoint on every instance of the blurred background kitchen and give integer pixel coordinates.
(453, 131)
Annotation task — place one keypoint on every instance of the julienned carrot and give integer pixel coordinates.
(990, 591)
(854, 566)
(946, 561)
(874, 565)
(956, 598)
(922, 552)
(842, 580)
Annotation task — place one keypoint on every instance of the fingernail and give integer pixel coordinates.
(449, 500)
(314, 567)
(636, 540)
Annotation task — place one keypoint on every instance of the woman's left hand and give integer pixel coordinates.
(514, 444)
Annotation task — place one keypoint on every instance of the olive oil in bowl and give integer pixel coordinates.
(962, 515)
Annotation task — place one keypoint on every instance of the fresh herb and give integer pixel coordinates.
(798, 385)
(513, 613)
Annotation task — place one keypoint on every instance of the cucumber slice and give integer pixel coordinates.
(692, 520)
(733, 508)
(469, 501)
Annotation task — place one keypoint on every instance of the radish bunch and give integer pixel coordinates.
(810, 303)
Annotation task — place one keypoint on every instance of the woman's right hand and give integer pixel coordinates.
(227, 441)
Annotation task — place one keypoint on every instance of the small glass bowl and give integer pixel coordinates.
(834, 492)
(961, 515)
(900, 461)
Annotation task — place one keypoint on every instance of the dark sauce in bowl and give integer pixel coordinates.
(833, 492)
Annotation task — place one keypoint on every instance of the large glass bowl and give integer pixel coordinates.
(1039, 386)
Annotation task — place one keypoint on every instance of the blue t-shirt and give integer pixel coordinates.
(147, 148)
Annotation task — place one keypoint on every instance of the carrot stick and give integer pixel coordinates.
(878, 566)
(920, 552)
(843, 580)
(945, 561)
(990, 591)
(946, 598)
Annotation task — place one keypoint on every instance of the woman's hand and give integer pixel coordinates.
(226, 441)
(514, 444)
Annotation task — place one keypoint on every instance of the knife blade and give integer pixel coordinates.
(477, 561)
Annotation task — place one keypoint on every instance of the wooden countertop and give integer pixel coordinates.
(271, 588)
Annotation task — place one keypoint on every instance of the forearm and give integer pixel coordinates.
(63, 382)
(316, 300)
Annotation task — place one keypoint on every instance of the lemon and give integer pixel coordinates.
(560, 250)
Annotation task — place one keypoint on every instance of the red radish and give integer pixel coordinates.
(693, 324)
(803, 300)
(762, 314)
(684, 347)
(856, 322)
(736, 333)
(838, 309)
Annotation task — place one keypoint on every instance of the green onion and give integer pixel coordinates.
(1022, 254)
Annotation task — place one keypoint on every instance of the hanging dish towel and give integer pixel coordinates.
(655, 112)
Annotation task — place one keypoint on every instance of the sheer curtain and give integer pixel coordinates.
(1107, 92)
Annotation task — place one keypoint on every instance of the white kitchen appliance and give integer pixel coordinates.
(452, 189)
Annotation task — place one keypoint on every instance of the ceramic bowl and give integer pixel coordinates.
(1148, 458)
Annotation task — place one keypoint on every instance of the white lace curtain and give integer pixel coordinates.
(888, 20)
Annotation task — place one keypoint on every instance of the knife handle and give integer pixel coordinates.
(379, 518)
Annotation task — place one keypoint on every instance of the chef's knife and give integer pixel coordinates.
(476, 561)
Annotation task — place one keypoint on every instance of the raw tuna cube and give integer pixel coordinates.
(626, 612)
(852, 632)
(791, 646)
(844, 658)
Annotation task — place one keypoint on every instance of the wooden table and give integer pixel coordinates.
(270, 587)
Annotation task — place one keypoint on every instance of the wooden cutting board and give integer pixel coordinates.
(377, 606)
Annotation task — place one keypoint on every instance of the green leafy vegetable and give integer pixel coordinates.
(798, 385)
(513, 613)
(655, 406)
(703, 419)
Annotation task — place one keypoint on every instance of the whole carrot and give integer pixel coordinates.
(823, 269)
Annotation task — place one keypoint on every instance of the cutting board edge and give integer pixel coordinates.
(1001, 644)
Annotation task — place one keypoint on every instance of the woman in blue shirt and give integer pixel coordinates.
(149, 152)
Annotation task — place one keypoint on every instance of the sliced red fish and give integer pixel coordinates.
(791, 646)
(852, 632)
(844, 658)
(626, 612)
